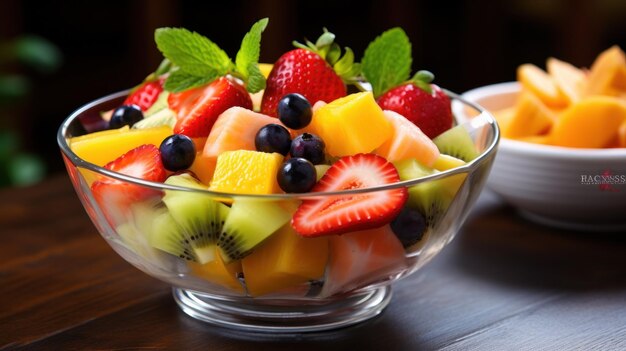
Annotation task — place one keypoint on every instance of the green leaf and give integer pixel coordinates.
(179, 80)
(333, 54)
(250, 48)
(164, 67)
(26, 169)
(387, 60)
(326, 39)
(193, 53)
(38, 53)
(13, 87)
(344, 65)
(422, 79)
(256, 80)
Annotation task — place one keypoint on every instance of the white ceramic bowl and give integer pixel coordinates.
(553, 185)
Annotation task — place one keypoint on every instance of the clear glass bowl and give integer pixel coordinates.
(288, 283)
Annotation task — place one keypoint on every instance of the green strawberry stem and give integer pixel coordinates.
(325, 46)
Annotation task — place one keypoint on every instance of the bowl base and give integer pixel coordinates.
(571, 225)
(288, 317)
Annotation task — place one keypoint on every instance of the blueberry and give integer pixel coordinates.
(308, 146)
(177, 152)
(296, 175)
(409, 226)
(294, 110)
(273, 138)
(125, 115)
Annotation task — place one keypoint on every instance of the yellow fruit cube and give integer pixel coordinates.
(537, 81)
(286, 259)
(608, 73)
(352, 124)
(103, 147)
(218, 272)
(246, 172)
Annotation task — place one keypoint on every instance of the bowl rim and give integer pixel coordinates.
(485, 115)
(539, 150)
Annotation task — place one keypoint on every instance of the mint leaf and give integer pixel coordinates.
(387, 60)
(193, 53)
(250, 48)
(179, 80)
(256, 79)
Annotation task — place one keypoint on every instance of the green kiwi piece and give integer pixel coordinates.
(430, 198)
(193, 224)
(321, 170)
(160, 104)
(458, 143)
(249, 223)
(163, 117)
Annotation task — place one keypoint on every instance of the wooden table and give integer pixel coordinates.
(503, 284)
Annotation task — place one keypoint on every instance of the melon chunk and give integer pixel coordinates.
(591, 123)
(246, 172)
(203, 167)
(504, 116)
(235, 129)
(218, 272)
(608, 73)
(284, 260)
(407, 141)
(622, 134)
(569, 79)
(361, 258)
(537, 81)
(531, 117)
(103, 147)
(351, 125)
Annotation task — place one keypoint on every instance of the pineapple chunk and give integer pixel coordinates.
(351, 125)
(246, 172)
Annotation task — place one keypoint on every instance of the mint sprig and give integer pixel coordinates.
(387, 60)
(196, 60)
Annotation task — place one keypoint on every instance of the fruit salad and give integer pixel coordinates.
(568, 106)
(277, 178)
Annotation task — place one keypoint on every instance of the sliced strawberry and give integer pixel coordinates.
(114, 196)
(347, 213)
(198, 108)
(145, 95)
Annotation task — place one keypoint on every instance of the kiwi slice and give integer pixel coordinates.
(431, 198)
(164, 117)
(458, 143)
(192, 224)
(249, 223)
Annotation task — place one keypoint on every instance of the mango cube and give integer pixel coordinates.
(286, 259)
(352, 124)
(246, 172)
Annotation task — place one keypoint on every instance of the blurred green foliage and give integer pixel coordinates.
(23, 54)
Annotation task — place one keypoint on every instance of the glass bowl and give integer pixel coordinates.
(288, 283)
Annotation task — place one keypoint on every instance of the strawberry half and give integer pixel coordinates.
(198, 108)
(145, 95)
(315, 71)
(347, 213)
(114, 196)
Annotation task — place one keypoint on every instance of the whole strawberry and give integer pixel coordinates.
(386, 66)
(429, 109)
(316, 71)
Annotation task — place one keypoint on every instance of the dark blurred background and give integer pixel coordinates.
(106, 46)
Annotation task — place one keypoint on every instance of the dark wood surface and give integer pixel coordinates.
(503, 284)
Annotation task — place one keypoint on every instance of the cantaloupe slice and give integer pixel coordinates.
(531, 117)
(407, 141)
(284, 260)
(591, 123)
(234, 130)
(608, 73)
(537, 81)
(218, 272)
(360, 258)
(569, 79)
